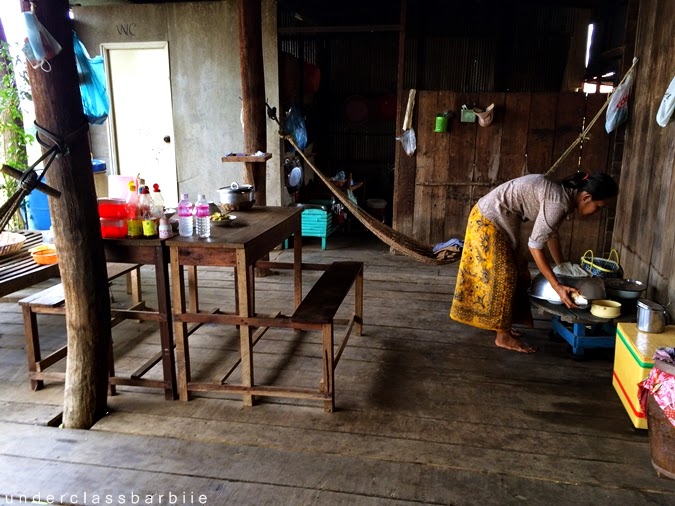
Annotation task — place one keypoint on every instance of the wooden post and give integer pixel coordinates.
(253, 93)
(77, 232)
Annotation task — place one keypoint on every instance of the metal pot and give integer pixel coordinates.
(651, 317)
(236, 194)
(592, 288)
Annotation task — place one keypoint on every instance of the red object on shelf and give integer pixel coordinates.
(112, 208)
(113, 229)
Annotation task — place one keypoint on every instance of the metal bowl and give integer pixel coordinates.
(592, 288)
(624, 288)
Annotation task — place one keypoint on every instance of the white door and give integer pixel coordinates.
(141, 120)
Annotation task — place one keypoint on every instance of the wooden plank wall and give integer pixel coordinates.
(643, 232)
(437, 187)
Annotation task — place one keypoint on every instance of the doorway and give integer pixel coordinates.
(141, 116)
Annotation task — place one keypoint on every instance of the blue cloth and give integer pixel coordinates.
(452, 242)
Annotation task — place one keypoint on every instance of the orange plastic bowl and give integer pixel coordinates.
(45, 257)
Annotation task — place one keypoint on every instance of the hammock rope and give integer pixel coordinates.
(584, 135)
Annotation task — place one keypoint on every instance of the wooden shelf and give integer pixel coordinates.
(243, 157)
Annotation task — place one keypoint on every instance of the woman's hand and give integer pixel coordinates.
(566, 294)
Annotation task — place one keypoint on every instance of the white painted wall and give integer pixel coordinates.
(205, 80)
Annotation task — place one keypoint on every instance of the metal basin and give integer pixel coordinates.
(592, 288)
(624, 288)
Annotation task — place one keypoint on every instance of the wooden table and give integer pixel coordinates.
(19, 270)
(252, 236)
(150, 252)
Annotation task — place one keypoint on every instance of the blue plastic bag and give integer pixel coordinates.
(295, 127)
(91, 72)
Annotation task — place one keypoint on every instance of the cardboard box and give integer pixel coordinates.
(633, 359)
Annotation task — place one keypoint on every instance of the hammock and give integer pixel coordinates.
(396, 240)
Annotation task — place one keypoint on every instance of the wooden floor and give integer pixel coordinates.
(428, 411)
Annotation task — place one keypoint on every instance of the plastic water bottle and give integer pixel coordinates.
(202, 217)
(185, 216)
(157, 202)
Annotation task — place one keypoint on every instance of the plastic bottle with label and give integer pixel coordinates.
(157, 201)
(185, 224)
(146, 207)
(134, 222)
(165, 231)
(202, 217)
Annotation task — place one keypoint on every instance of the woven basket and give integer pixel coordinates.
(602, 267)
(10, 242)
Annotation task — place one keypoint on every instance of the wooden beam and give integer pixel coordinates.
(77, 232)
(341, 29)
(253, 93)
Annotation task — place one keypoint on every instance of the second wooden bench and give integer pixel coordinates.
(318, 309)
(52, 301)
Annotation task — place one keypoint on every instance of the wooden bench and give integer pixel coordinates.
(52, 301)
(318, 309)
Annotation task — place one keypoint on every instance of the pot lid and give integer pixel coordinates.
(648, 304)
(295, 177)
(236, 188)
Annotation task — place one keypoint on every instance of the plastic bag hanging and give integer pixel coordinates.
(617, 110)
(295, 126)
(91, 74)
(39, 46)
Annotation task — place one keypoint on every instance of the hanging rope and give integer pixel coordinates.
(29, 180)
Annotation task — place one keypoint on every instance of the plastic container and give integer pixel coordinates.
(44, 254)
(202, 217)
(157, 201)
(38, 211)
(165, 230)
(134, 221)
(185, 223)
(112, 208)
(118, 186)
(113, 229)
(146, 210)
(441, 123)
(100, 177)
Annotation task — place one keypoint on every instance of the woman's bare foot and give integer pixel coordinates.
(508, 341)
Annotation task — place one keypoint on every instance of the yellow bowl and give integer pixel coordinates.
(606, 308)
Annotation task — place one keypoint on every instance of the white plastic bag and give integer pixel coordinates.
(617, 110)
(40, 45)
(667, 106)
(408, 141)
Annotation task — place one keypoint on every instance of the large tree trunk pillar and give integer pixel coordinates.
(77, 232)
(253, 92)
